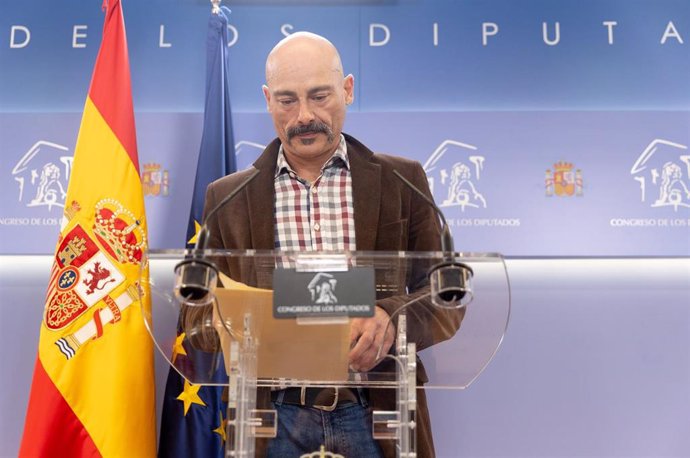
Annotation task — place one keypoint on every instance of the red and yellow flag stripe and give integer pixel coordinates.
(93, 386)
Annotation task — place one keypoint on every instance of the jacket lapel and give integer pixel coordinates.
(366, 193)
(260, 198)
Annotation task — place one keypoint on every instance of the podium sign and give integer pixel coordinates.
(323, 294)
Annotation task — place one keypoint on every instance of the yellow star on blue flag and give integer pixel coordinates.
(190, 395)
(195, 237)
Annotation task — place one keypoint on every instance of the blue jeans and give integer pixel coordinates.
(346, 431)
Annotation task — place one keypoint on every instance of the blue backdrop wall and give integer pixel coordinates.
(569, 121)
(546, 128)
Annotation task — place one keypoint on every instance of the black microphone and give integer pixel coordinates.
(196, 276)
(451, 280)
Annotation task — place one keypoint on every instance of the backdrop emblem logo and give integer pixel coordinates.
(663, 173)
(322, 289)
(155, 180)
(454, 172)
(563, 181)
(42, 175)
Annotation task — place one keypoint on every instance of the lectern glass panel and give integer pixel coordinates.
(258, 322)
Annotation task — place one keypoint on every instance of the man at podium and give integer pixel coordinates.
(318, 189)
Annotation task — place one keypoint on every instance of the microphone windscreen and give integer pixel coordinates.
(195, 281)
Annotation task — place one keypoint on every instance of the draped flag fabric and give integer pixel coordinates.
(194, 417)
(93, 385)
(217, 151)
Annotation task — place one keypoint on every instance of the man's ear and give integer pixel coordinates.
(267, 96)
(349, 87)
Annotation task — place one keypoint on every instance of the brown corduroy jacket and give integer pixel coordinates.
(388, 217)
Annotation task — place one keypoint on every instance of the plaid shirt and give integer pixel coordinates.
(315, 216)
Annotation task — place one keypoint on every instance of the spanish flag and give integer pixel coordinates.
(93, 384)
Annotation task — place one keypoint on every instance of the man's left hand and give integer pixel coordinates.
(366, 337)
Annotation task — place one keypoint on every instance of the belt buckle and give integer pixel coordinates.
(330, 408)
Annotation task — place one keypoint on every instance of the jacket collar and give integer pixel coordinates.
(366, 193)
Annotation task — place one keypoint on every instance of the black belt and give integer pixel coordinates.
(318, 397)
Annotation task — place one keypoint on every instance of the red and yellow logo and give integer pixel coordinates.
(563, 181)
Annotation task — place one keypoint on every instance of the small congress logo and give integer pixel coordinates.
(155, 180)
(42, 175)
(663, 173)
(563, 181)
(454, 173)
(322, 289)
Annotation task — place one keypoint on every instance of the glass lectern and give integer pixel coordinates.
(281, 319)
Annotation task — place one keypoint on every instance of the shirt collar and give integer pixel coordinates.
(339, 159)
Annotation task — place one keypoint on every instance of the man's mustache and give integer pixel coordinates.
(315, 127)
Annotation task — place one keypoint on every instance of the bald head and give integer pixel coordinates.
(299, 48)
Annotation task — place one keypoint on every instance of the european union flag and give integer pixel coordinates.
(194, 417)
(217, 151)
(193, 423)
